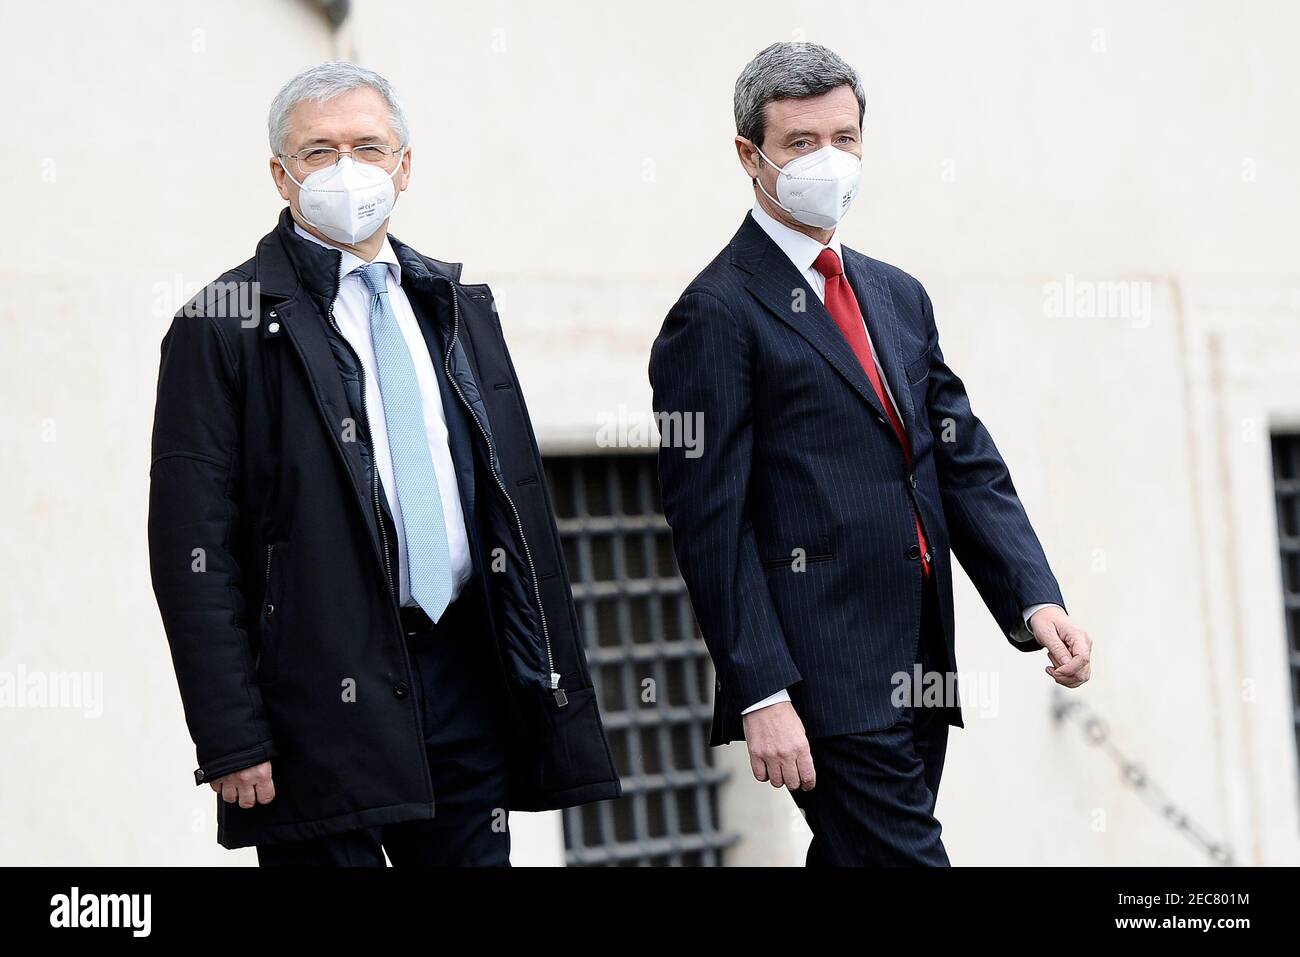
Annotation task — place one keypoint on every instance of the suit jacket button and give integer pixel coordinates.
(911, 480)
(400, 689)
(914, 552)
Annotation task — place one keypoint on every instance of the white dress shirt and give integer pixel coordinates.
(803, 250)
(352, 313)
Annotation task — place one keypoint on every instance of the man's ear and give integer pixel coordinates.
(404, 175)
(280, 177)
(748, 155)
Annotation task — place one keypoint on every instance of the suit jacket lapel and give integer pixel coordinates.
(777, 284)
(877, 307)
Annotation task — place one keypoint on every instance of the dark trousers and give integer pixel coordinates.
(874, 800)
(462, 707)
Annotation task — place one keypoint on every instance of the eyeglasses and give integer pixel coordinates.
(322, 157)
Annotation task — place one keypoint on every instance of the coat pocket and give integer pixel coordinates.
(271, 612)
(573, 750)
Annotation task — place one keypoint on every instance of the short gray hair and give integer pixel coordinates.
(789, 71)
(324, 82)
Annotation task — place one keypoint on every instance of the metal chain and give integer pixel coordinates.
(1097, 734)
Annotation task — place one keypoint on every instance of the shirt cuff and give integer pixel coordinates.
(771, 699)
(1034, 609)
(1024, 635)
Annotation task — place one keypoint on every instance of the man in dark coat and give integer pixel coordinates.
(840, 464)
(351, 540)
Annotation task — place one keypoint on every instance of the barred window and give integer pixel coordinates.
(649, 666)
(1286, 478)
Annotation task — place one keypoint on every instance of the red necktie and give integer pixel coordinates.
(843, 307)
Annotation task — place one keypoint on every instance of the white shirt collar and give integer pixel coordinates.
(351, 261)
(800, 249)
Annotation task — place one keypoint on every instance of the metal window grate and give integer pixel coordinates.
(638, 627)
(1286, 478)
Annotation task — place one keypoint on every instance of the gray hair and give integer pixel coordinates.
(789, 71)
(324, 82)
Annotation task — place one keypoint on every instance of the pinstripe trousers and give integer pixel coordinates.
(875, 796)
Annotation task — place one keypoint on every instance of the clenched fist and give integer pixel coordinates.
(248, 786)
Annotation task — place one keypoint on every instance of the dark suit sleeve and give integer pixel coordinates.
(989, 530)
(192, 514)
(701, 368)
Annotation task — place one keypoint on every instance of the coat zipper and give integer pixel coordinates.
(266, 585)
(268, 609)
(561, 699)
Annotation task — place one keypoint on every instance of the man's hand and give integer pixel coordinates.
(778, 747)
(1067, 645)
(248, 786)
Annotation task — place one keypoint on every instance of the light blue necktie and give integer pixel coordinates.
(428, 558)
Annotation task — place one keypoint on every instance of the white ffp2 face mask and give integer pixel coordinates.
(816, 189)
(347, 201)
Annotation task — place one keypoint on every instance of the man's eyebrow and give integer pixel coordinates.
(812, 134)
(326, 141)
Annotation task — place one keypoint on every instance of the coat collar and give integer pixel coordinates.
(776, 283)
(350, 261)
(288, 265)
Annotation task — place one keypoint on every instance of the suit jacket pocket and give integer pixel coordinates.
(918, 368)
(796, 560)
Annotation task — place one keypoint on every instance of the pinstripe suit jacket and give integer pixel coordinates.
(792, 521)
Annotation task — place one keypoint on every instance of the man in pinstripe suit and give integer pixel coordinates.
(840, 464)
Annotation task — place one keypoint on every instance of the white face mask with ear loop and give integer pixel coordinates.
(347, 203)
(816, 189)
